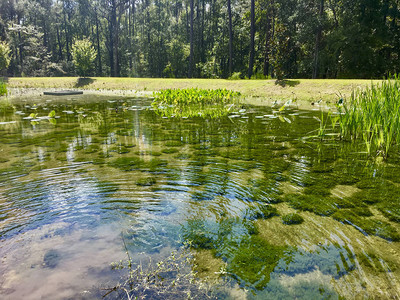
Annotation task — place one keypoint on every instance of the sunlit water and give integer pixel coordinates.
(74, 188)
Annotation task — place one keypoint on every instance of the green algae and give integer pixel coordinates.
(322, 206)
(203, 196)
(367, 225)
(170, 150)
(146, 152)
(261, 212)
(173, 143)
(317, 190)
(229, 175)
(120, 149)
(183, 156)
(292, 219)
(253, 262)
(127, 163)
(156, 165)
(147, 181)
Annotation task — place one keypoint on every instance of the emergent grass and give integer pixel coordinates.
(372, 115)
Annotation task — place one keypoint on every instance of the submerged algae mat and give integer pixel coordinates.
(273, 216)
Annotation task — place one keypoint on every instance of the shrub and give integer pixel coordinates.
(4, 55)
(3, 88)
(83, 55)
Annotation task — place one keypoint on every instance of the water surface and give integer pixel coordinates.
(104, 171)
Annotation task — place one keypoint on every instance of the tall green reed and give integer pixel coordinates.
(373, 116)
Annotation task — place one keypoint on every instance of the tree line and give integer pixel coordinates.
(205, 38)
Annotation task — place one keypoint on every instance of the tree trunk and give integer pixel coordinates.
(66, 34)
(190, 73)
(60, 53)
(114, 40)
(318, 41)
(230, 39)
(252, 34)
(111, 49)
(100, 69)
(267, 47)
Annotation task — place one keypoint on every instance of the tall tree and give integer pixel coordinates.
(252, 35)
(190, 73)
(318, 40)
(230, 38)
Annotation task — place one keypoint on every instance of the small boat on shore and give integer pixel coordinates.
(63, 93)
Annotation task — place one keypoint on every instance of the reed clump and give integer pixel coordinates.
(373, 116)
(194, 102)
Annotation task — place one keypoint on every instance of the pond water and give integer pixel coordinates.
(274, 215)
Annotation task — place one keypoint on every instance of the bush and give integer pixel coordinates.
(83, 56)
(235, 76)
(4, 55)
(3, 88)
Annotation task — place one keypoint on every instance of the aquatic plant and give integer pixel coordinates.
(193, 102)
(372, 115)
(253, 261)
(146, 181)
(169, 278)
(292, 219)
(322, 206)
(367, 225)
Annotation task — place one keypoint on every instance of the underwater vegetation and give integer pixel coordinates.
(229, 186)
(292, 219)
(367, 225)
(193, 102)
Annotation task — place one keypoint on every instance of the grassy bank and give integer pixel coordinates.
(260, 91)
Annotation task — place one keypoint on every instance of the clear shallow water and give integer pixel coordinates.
(106, 169)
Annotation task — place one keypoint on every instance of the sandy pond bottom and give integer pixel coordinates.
(267, 213)
(44, 264)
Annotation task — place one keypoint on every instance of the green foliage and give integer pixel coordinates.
(83, 55)
(3, 88)
(371, 115)
(194, 102)
(52, 114)
(4, 56)
(155, 43)
(236, 76)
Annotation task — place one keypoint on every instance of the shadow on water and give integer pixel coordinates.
(83, 81)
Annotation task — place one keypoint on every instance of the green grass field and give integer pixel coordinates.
(255, 91)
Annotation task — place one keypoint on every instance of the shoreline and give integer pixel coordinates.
(305, 93)
(37, 93)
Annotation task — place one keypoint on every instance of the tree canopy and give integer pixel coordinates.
(205, 38)
(83, 56)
